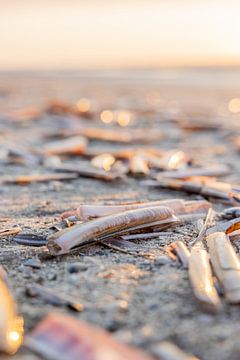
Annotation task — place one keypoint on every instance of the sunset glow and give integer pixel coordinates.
(98, 34)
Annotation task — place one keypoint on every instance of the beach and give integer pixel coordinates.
(141, 300)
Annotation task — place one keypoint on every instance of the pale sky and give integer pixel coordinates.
(70, 34)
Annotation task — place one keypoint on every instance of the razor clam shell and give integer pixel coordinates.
(226, 265)
(168, 351)
(87, 212)
(9, 320)
(75, 145)
(10, 231)
(138, 166)
(182, 252)
(200, 276)
(226, 227)
(231, 213)
(82, 234)
(62, 337)
(30, 239)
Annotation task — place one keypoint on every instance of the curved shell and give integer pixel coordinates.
(82, 234)
(86, 212)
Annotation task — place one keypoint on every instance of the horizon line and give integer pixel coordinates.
(123, 68)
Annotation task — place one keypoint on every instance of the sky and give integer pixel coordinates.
(93, 34)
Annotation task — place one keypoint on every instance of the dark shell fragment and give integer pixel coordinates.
(30, 239)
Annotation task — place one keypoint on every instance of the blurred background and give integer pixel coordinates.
(168, 47)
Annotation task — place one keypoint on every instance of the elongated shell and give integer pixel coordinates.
(11, 326)
(168, 160)
(10, 231)
(188, 173)
(182, 252)
(227, 227)
(193, 188)
(88, 172)
(231, 213)
(168, 351)
(61, 337)
(65, 240)
(27, 179)
(226, 265)
(200, 276)
(70, 146)
(197, 206)
(138, 165)
(86, 212)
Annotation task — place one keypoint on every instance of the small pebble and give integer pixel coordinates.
(76, 267)
(205, 318)
(26, 272)
(33, 263)
(163, 260)
(51, 276)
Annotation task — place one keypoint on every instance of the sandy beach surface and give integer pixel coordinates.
(140, 300)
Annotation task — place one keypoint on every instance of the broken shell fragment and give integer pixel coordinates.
(30, 240)
(138, 166)
(182, 252)
(103, 161)
(230, 213)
